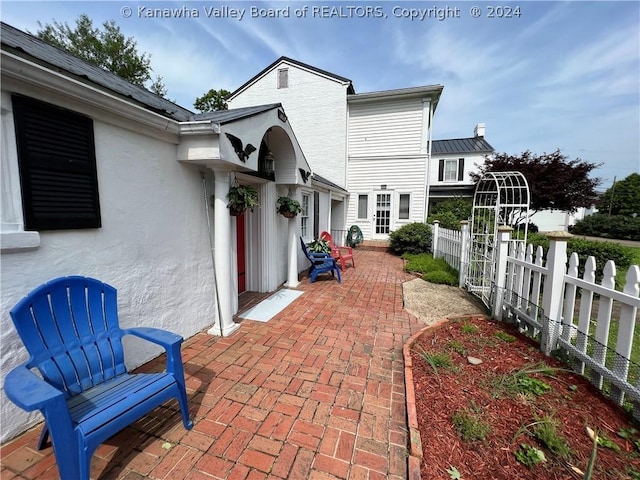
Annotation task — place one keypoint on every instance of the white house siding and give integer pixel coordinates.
(317, 110)
(391, 127)
(153, 247)
(471, 164)
(399, 174)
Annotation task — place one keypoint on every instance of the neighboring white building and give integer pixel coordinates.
(105, 179)
(453, 162)
(375, 145)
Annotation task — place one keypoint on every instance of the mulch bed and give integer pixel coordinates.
(572, 400)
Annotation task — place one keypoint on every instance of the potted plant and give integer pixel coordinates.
(288, 207)
(240, 198)
(319, 246)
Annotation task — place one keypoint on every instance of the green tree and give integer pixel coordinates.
(554, 181)
(622, 198)
(212, 101)
(107, 48)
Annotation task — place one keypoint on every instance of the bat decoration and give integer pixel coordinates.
(305, 175)
(243, 153)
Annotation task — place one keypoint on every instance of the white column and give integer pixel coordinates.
(222, 256)
(293, 241)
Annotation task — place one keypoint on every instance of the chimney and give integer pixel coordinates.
(479, 130)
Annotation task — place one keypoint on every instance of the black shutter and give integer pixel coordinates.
(441, 170)
(316, 214)
(461, 169)
(57, 164)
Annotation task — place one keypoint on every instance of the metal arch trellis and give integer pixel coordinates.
(501, 198)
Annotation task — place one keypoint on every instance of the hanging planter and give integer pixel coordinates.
(288, 207)
(241, 198)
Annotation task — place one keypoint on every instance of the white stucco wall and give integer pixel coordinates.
(153, 247)
(317, 110)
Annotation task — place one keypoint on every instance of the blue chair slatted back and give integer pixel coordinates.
(70, 328)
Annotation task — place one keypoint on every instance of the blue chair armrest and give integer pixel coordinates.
(161, 337)
(28, 391)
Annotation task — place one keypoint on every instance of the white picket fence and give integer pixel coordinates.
(568, 313)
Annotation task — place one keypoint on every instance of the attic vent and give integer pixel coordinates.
(283, 78)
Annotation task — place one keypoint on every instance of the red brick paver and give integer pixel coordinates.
(315, 393)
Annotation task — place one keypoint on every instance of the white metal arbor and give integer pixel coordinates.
(501, 198)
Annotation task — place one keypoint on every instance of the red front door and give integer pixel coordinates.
(242, 280)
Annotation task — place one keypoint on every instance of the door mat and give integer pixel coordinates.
(271, 306)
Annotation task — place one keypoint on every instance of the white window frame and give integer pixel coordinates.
(305, 216)
(400, 195)
(447, 170)
(366, 196)
(13, 236)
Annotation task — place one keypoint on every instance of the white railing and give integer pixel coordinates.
(547, 298)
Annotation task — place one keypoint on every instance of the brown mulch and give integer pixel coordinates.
(572, 400)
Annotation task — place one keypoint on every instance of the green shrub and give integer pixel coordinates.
(446, 219)
(601, 251)
(411, 238)
(602, 225)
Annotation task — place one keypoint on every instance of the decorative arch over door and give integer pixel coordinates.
(501, 198)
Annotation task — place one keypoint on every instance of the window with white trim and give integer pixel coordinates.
(363, 206)
(451, 170)
(403, 206)
(304, 216)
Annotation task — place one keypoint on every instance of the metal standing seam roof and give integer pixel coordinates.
(461, 145)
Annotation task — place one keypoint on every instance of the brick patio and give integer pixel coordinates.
(315, 393)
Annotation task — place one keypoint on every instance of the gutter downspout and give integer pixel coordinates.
(428, 162)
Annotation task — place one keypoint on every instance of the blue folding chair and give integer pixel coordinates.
(70, 329)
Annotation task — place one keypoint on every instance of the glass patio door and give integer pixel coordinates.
(382, 216)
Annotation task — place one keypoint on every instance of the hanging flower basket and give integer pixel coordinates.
(241, 198)
(288, 207)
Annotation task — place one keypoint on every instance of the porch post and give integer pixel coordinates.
(222, 257)
(293, 245)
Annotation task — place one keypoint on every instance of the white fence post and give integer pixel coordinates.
(552, 292)
(464, 252)
(502, 250)
(434, 241)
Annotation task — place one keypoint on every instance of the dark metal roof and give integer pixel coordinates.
(461, 145)
(350, 89)
(226, 116)
(329, 183)
(32, 48)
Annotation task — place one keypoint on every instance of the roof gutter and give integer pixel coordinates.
(200, 127)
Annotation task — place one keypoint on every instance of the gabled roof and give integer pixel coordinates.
(324, 73)
(461, 145)
(32, 48)
(225, 116)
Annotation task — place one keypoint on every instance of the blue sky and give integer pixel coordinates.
(540, 75)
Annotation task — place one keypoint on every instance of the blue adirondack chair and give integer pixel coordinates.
(70, 329)
(320, 263)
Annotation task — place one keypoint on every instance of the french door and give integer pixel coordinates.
(382, 215)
